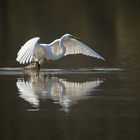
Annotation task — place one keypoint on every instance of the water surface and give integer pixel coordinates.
(98, 103)
(77, 97)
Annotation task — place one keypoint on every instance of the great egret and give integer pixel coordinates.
(35, 53)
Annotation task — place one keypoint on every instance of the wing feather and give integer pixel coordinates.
(74, 46)
(26, 52)
(25, 56)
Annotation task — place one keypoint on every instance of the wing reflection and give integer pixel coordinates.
(39, 86)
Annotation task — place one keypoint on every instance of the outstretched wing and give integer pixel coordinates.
(74, 46)
(25, 54)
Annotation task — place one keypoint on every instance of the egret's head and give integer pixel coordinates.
(67, 36)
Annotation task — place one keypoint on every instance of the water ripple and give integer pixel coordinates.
(19, 71)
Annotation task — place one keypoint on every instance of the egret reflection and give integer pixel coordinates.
(39, 86)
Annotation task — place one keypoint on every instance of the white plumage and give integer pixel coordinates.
(67, 44)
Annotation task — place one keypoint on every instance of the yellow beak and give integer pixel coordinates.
(75, 37)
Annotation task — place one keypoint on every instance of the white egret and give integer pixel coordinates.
(35, 53)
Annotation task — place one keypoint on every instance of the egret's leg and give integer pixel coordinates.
(36, 65)
(33, 65)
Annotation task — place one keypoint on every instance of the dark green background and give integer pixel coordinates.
(111, 27)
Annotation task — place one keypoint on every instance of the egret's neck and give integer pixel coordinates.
(61, 44)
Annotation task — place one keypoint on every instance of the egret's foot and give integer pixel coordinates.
(33, 66)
